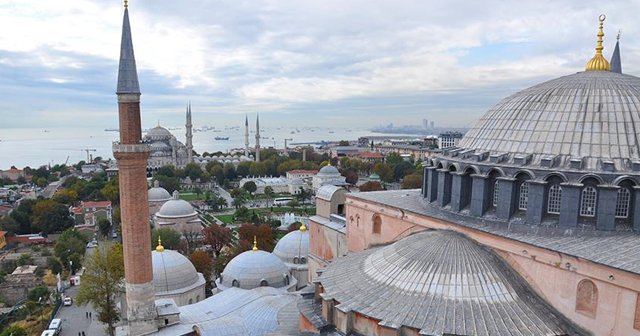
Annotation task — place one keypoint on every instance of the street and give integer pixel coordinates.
(75, 321)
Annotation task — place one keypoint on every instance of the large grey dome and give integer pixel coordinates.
(176, 208)
(329, 170)
(468, 286)
(249, 269)
(591, 116)
(293, 247)
(173, 272)
(158, 133)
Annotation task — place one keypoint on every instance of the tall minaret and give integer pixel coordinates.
(131, 155)
(246, 136)
(189, 135)
(257, 138)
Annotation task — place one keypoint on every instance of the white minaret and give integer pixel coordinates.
(246, 136)
(189, 135)
(257, 138)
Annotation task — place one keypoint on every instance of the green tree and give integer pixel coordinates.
(65, 196)
(7, 223)
(70, 246)
(54, 265)
(393, 159)
(250, 187)
(193, 171)
(412, 181)
(14, 330)
(243, 168)
(371, 186)
(111, 191)
(384, 171)
(25, 259)
(104, 226)
(101, 283)
(38, 294)
(167, 170)
(268, 191)
(50, 216)
(170, 238)
(343, 143)
(258, 169)
(402, 169)
(171, 184)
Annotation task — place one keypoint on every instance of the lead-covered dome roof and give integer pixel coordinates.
(293, 247)
(173, 272)
(158, 194)
(158, 133)
(250, 268)
(592, 116)
(329, 170)
(176, 208)
(468, 286)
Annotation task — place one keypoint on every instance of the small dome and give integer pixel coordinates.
(176, 208)
(293, 247)
(329, 170)
(374, 177)
(158, 194)
(158, 133)
(249, 269)
(172, 271)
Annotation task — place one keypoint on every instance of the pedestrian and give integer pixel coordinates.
(83, 333)
(90, 315)
(86, 314)
(79, 334)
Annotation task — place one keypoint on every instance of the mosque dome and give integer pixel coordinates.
(440, 271)
(590, 116)
(293, 248)
(176, 208)
(329, 170)
(158, 133)
(172, 271)
(252, 269)
(158, 194)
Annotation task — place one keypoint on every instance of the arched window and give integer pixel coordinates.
(377, 224)
(264, 283)
(286, 280)
(622, 203)
(496, 191)
(296, 260)
(553, 201)
(523, 198)
(190, 301)
(303, 260)
(588, 204)
(587, 298)
(235, 283)
(197, 298)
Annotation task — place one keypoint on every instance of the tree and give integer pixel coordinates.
(351, 176)
(303, 195)
(24, 259)
(66, 196)
(167, 170)
(170, 238)
(250, 187)
(191, 238)
(104, 226)
(412, 181)
(14, 330)
(202, 262)
(101, 283)
(258, 169)
(111, 191)
(217, 237)
(9, 224)
(343, 143)
(262, 233)
(50, 216)
(193, 171)
(70, 246)
(268, 191)
(384, 171)
(402, 169)
(393, 159)
(54, 265)
(243, 168)
(371, 186)
(171, 184)
(37, 294)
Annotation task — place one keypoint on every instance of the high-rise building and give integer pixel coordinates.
(132, 154)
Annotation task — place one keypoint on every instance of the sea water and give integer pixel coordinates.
(34, 147)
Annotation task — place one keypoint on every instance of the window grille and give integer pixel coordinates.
(496, 190)
(553, 201)
(622, 203)
(524, 196)
(588, 204)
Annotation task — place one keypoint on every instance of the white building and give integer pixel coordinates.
(328, 175)
(280, 185)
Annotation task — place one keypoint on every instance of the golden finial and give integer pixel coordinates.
(159, 248)
(126, 3)
(598, 62)
(255, 243)
(303, 228)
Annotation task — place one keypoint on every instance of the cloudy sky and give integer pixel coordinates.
(362, 62)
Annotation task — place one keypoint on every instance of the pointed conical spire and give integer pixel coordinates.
(616, 62)
(127, 72)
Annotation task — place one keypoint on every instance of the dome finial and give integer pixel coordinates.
(303, 227)
(598, 62)
(126, 3)
(255, 243)
(159, 248)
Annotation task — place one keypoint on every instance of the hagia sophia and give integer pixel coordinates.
(527, 227)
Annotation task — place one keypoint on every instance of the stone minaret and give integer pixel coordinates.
(189, 135)
(131, 155)
(246, 136)
(257, 138)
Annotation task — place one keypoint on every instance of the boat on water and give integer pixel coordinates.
(221, 138)
(112, 130)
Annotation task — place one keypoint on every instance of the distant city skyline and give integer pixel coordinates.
(318, 62)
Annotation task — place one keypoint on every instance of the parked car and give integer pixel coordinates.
(67, 301)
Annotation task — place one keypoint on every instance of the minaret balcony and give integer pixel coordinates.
(131, 148)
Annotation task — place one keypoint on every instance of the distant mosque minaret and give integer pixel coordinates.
(189, 135)
(257, 138)
(131, 155)
(246, 136)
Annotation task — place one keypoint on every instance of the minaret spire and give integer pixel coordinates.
(189, 135)
(257, 138)
(616, 62)
(132, 155)
(598, 62)
(246, 136)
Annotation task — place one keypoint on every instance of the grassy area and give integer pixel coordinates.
(279, 210)
(227, 219)
(264, 197)
(191, 197)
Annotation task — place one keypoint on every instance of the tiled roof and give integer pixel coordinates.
(618, 249)
(441, 283)
(98, 204)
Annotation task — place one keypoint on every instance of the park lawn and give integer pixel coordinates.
(227, 219)
(309, 210)
(191, 196)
